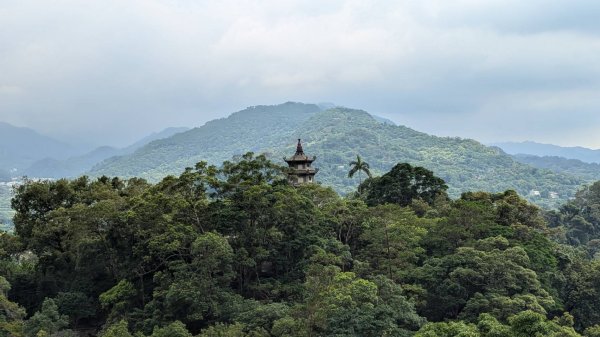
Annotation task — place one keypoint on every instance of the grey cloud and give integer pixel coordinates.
(514, 16)
(111, 71)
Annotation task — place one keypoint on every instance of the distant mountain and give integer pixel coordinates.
(20, 147)
(78, 165)
(166, 133)
(71, 167)
(336, 136)
(253, 129)
(328, 105)
(538, 149)
(587, 171)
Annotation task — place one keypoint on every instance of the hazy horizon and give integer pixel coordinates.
(111, 72)
(84, 147)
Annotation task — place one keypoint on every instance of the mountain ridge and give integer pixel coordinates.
(211, 135)
(589, 171)
(550, 150)
(78, 165)
(21, 146)
(336, 136)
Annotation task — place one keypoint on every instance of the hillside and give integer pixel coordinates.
(336, 136)
(77, 165)
(20, 147)
(587, 171)
(254, 129)
(549, 150)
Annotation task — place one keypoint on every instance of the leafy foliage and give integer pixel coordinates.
(6, 213)
(236, 251)
(46, 322)
(11, 314)
(403, 184)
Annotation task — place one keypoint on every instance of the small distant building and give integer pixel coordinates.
(302, 172)
(553, 195)
(534, 193)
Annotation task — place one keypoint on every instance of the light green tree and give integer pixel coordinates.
(391, 241)
(119, 329)
(11, 314)
(175, 329)
(48, 321)
(448, 329)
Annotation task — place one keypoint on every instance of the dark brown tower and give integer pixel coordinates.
(302, 172)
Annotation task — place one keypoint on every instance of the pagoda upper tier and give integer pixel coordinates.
(300, 163)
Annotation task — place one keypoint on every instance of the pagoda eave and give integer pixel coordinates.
(305, 173)
(300, 160)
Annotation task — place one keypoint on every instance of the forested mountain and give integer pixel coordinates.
(77, 165)
(587, 171)
(336, 136)
(258, 129)
(71, 167)
(236, 251)
(20, 147)
(543, 150)
(383, 120)
(166, 133)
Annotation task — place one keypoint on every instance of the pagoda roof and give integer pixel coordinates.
(299, 156)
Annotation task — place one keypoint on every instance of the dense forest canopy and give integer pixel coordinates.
(6, 212)
(235, 250)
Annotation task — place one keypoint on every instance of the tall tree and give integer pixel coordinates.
(46, 322)
(359, 166)
(402, 184)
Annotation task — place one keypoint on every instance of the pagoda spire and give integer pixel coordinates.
(301, 171)
(299, 150)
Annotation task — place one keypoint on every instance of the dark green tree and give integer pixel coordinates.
(403, 184)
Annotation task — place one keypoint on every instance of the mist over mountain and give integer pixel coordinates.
(539, 149)
(168, 132)
(252, 129)
(78, 165)
(336, 136)
(20, 147)
(587, 171)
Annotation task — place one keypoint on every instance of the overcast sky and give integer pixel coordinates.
(111, 71)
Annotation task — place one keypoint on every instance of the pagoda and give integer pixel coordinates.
(301, 172)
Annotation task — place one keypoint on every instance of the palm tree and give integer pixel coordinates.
(359, 166)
